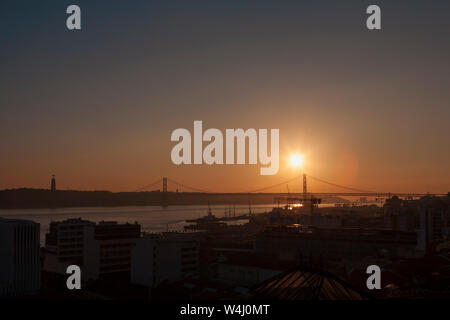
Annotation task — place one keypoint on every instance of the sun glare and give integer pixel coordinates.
(296, 160)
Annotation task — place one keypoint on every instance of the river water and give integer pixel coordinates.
(151, 218)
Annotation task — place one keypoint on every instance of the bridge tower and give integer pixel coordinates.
(164, 184)
(305, 189)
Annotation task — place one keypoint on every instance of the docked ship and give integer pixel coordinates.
(211, 222)
(208, 222)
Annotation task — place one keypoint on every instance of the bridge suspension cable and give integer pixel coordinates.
(146, 187)
(273, 186)
(187, 187)
(312, 178)
(340, 186)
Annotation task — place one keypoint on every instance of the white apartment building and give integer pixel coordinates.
(72, 242)
(98, 249)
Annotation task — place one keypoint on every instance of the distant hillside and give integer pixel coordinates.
(40, 198)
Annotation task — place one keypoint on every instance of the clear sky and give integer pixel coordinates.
(96, 107)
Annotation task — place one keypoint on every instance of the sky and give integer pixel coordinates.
(96, 107)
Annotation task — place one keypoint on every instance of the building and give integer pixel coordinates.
(401, 215)
(164, 258)
(98, 249)
(333, 244)
(116, 242)
(434, 227)
(429, 216)
(72, 242)
(19, 257)
(242, 268)
(304, 283)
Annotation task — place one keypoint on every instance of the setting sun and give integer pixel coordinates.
(296, 160)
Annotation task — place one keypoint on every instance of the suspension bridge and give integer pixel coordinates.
(164, 182)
